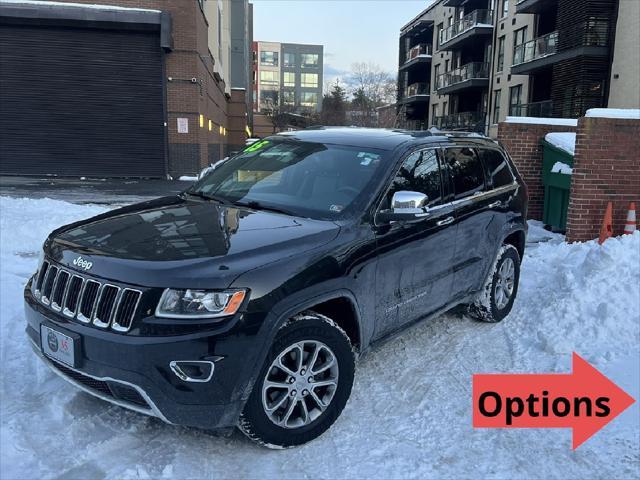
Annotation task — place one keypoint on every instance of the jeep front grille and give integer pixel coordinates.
(86, 300)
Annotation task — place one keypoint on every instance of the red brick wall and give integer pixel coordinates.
(606, 168)
(522, 141)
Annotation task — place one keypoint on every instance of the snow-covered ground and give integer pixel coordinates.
(410, 411)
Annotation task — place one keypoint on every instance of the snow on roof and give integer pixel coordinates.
(632, 113)
(570, 122)
(563, 140)
(76, 5)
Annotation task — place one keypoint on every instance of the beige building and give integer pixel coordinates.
(468, 64)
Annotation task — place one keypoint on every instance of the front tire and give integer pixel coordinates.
(499, 292)
(304, 383)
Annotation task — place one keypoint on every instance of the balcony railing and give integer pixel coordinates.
(422, 49)
(414, 89)
(469, 21)
(536, 48)
(475, 70)
(542, 109)
(471, 121)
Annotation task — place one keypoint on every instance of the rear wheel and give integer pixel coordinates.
(496, 299)
(304, 384)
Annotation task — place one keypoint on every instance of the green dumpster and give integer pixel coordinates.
(556, 185)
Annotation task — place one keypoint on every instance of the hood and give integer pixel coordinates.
(176, 242)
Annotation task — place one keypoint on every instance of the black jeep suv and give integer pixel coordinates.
(246, 299)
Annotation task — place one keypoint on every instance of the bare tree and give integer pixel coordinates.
(372, 88)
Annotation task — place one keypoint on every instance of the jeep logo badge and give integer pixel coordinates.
(82, 263)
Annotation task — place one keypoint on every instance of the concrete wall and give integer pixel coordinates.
(522, 141)
(606, 168)
(624, 89)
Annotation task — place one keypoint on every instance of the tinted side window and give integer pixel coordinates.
(420, 172)
(465, 170)
(497, 167)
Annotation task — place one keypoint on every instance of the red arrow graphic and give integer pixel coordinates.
(584, 400)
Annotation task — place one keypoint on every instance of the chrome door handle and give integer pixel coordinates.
(446, 221)
(495, 204)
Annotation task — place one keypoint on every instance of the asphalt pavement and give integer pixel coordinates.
(102, 191)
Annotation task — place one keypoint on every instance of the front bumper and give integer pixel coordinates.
(134, 371)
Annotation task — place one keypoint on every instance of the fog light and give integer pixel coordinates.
(199, 371)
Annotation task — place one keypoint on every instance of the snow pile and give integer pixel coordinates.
(563, 140)
(410, 411)
(543, 121)
(628, 113)
(188, 178)
(561, 167)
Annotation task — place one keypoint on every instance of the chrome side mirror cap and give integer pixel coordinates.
(406, 206)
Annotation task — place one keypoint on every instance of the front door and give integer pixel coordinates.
(414, 273)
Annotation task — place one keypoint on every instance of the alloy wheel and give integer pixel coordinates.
(504, 283)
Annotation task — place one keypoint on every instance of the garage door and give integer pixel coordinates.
(81, 102)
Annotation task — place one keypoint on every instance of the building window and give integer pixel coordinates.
(289, 79)
(505, 8)
(500, 60)
(515, 100)
(309, 60)
(436, 77)
(445, 109)
(268, 99)
(309, 99)
(519, 37)
(289, 97)
(269, 59)
(269, 78)
(289, 59)
(439, 30)
(309, 80)
(496, 105)
(434, 114)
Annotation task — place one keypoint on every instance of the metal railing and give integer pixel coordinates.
(473, 19)
(475, 70)
(420, 88)
(472, 121)
(543, 109)
(422, 49)
(536, 48)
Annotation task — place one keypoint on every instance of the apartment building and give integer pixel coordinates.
(468, 64)
(287, 77)
(122, 88)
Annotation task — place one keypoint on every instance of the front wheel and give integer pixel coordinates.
(496, 299)
(304, 384)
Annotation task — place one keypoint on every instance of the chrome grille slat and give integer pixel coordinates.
(105, 305)
(84, 299)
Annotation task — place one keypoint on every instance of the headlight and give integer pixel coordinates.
(189, 303)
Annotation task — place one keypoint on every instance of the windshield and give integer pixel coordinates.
(300, 178)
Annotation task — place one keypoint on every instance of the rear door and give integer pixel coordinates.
(478, 229)
(414, 272)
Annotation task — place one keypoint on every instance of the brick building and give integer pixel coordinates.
(126, 88)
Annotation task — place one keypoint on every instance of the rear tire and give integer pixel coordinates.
(496, 299)
(303, 385)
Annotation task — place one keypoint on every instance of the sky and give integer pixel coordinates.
(350, 30)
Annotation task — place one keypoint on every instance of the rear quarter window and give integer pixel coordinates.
(497, 167)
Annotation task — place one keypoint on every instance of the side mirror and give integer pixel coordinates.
(405, 207)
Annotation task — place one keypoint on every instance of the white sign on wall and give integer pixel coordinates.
(183, 125)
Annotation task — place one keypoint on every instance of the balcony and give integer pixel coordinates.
(585, 39)
(467, 121)
(471, 75)
(478, 22)
(416, 92)
(420, 54)
(535, 49)
(535, 6)
(542, 109)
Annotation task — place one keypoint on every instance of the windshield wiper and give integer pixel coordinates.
(259, 206)
(206, 196)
